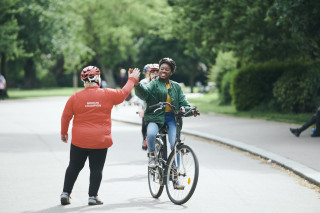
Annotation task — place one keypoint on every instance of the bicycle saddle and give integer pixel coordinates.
(164, 129)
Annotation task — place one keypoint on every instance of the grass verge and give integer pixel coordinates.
(48, 92)
(209, 103)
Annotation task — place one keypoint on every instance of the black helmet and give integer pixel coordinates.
(170, 62)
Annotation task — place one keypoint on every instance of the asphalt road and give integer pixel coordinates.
(33, 163)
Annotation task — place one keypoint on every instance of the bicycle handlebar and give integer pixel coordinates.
(161, 105)
(152, 107)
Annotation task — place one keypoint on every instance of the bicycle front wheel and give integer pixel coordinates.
(182, 175)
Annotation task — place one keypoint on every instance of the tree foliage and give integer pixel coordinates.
(302, 18)
(114, 29)
(225, 62)
(39, 33)
(154, 47)
(9, 28)
(241, 26)
(46, 42)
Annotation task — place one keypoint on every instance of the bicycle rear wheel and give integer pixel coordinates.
(183, 174)
(154, 182)
(155, 175)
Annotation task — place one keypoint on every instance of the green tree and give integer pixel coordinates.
(241, 26)
(71, 52)
(154, 47)
(302, 18)
(9, 46)
(114, 29)
(225, 62)
(40, 28)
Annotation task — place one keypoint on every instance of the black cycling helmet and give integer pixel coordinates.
(170, 62)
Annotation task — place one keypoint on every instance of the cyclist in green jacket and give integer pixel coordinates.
(161, 90)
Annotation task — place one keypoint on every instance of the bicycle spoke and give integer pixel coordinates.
(180, 171)
(155, 177)
(184, 177)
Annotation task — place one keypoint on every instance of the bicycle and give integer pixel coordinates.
(167, 171)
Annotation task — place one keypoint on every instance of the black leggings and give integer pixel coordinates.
(2, 94)
(78, 157)
(144, 129)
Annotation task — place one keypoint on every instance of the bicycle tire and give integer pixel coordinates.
(188, 179)
(155, 178)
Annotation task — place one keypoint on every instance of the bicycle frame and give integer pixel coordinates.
(161, 134)
(179, 179)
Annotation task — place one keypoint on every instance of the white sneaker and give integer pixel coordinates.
(65, 198)
(94, 200)
(152, 162)
(177, 185)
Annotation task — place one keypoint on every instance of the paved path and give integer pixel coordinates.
(33, 162)
(271, 140)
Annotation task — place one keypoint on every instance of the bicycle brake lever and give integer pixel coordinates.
(157, 109)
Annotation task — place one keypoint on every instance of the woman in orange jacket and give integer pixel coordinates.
(91, 132)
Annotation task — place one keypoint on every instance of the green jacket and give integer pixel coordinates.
(155, 92)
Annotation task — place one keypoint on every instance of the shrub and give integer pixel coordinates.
(49, 80)
(225, 62)
(253, 85)
(66, 80)
(297, 89)
(225, 94)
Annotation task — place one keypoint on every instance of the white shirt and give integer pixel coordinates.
(2, 82)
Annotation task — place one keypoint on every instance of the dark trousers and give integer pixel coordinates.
(2, 94)
(143, 129)
(78, 157)
(315, 119)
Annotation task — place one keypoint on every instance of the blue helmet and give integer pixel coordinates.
(146, 68)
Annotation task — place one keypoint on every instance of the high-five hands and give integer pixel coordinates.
(135, 73)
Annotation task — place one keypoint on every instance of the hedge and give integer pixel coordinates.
(253, 84)
(225, 93)
(297, 90)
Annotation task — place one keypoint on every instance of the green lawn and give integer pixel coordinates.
(206, 104)
(18, 93)
(209, 103)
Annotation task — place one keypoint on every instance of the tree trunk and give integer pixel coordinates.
(75, 79)
(3, 65)
(29, 74)
(108, 75)
(191, 80)
(58, 67)
(3, 71)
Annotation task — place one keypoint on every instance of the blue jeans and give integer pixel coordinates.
(153, 129)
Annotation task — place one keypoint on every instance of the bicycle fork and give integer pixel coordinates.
(161, 160)
(179, 164)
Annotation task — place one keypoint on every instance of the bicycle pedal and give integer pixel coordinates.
(179, 188)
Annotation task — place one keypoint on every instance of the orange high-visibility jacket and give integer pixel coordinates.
(91, 112)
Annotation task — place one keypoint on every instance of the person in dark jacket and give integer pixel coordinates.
(162, 90)
(315, 119)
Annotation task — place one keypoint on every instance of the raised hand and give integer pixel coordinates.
(135, 73)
